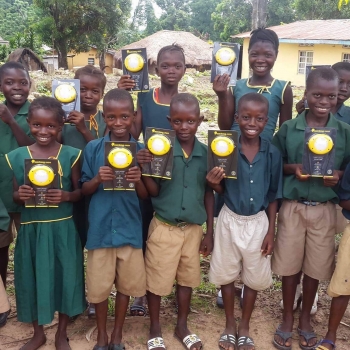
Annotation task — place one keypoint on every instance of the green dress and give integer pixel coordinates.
(48, 257)
(72, 137)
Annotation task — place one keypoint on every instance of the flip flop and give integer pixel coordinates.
(116, 346)
(137, 309)
(243, 341)
(97, 347)
(228, 338)
(157, 342)
(284, 336)
(307, 336)
(189, 340)
(319, 345)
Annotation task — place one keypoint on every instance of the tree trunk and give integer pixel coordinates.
(61, 48)
(102, 60)
(259, 14)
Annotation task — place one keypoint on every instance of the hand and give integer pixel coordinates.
(331, 181)
(125, 82)
(215, 176)
(298, 174)
(5, 114)
(105, 173)
(220, 84)
(300, 106)
(144, 156)
(207, 244)
(78, 119)
(267, 244)
(133, 174)
(54, 196)
(25, 192)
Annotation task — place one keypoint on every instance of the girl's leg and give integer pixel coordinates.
(4, 259)
(121, 307)
(61, 339)
(37, 340)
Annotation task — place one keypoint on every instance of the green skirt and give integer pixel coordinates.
(49, 273)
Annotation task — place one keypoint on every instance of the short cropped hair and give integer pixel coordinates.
(186, 99)
(341, 66)
(93, 72)
(253, 97)
(263, 34)
(47, 103)
(12, 65)
(171, 48)
(324, 73)
(118, 95)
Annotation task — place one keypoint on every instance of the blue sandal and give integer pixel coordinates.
(319, 345)
(307, 336)
(284, 336)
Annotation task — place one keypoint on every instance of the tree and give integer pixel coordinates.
(279, 12)
(259, 14)
(69, 24)
(144, 19)
(341, 2)
(320, 9)
(176, 14)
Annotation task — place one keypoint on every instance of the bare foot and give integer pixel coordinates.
(35, 343)
(181, 333)
(62, 342)
(225, 344)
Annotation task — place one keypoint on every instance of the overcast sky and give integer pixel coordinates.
(157, 10)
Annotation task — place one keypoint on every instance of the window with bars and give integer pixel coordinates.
(305, 58)
(91, 61)
(346, 57)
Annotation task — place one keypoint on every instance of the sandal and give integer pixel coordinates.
(319, 345)
(228, 338)
(154, 343)
(243, 341)
(307, 336)
(189, 341)
(138, 309)
(116, 346)
(284, 336)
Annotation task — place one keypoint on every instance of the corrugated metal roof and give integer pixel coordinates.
(331, 29)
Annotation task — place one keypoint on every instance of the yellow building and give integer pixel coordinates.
(313, 42)
(90, 57)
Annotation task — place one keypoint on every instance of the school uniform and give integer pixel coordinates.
(243, 224)
(48, 257)
(72, 137)
(114, 240)
(8, 143)
(343, 114)
(273, 93)
(175, 232)
(339, 284)
(307, 218)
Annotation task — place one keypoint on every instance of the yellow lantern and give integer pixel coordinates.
(320, 144)
(119, 158)
(134, 62)
(65, 93)
(158, 144)
(222, 146)
(225, 56)
(41, 175)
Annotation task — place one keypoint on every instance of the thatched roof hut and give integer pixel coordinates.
(28, 58)
(198, 53)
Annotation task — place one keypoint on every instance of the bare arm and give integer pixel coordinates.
(137, 125)
(105, 173)
(286, 108)
(151, 186)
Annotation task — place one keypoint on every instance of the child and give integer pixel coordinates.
(152, 111)
(181, 206)
(306, 220)
(14, 132)
(262, 53)
(48, 257)
(115, 233)
(4, 302)
(339, 288)
(244, 233)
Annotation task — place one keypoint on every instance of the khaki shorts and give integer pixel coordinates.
(122, 266)
(305, 240)
(4, 302)
(6, 238)
(340, 282)
(237, 249)
(172, 253)
(341, 220)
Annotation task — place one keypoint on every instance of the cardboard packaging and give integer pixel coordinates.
(222, 151)
(319, 151)
(67, 92)
(120, 157)
(41, 175)
(135, 64)
(160, 142)
(225, 60)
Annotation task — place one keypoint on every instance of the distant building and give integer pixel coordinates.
(304, 43)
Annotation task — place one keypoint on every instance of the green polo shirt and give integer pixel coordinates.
(290, 141)
(9, 143)
(4, 218)
(182, 197)
(343, 114)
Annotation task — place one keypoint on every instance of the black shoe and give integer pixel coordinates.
(3, 318)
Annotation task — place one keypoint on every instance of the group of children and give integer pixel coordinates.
(143, 240)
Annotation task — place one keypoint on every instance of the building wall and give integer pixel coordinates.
(286, 66)
(83, 58)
